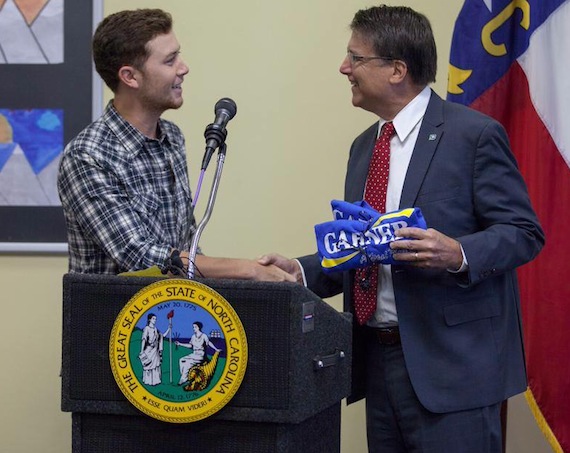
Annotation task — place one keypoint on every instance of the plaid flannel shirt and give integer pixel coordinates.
(125, 197)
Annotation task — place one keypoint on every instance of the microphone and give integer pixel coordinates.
(215, 134)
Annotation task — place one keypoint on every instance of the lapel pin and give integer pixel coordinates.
(432, 137)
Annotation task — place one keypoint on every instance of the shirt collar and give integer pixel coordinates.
(131, 138)
(410, 115)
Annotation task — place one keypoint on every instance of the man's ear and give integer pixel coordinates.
(128, 75)
(400, 71)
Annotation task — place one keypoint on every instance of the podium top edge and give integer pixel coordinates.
(108, 279)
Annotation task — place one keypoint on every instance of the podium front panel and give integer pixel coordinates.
(281, 384)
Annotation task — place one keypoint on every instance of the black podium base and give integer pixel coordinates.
(101, 433)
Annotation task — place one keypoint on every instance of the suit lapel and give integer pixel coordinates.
(429, 136)
(358, 167)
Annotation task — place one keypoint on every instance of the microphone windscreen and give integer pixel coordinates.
(228, 105)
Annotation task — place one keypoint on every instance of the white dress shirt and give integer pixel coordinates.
(407, 124)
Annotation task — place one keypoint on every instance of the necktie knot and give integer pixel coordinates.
(387, 130)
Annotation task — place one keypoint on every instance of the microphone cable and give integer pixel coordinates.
(175, 266)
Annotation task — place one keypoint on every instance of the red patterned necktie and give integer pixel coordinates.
(366, 279)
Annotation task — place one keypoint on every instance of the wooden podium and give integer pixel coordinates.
(298, 371)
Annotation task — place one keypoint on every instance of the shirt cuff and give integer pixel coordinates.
(464, 265)
(302, 272)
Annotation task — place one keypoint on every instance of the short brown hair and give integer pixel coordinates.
(121, 39)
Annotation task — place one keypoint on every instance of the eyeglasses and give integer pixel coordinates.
(361, 58)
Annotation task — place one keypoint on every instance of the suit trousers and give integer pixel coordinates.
(397, 422)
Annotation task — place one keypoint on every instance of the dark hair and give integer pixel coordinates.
(121, 39)
(400, 33)
(199, 324)
(149, 317)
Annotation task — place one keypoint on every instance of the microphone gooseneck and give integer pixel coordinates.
(215, 135)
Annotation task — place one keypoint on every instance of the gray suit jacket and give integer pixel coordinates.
(461, 334)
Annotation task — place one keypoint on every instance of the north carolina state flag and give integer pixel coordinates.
(511, 60)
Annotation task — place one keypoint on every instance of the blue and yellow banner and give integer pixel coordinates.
(360, 236)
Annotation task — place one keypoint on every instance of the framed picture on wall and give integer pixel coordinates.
(48, 94)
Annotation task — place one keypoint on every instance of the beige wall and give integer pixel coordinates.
(287, 151)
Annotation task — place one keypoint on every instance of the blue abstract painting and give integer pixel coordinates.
(31, 143)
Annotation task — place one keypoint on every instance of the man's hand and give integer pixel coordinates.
(430, 249)
(270, 273)
(288, 265)
(213, 267)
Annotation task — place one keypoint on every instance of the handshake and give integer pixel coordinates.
(359, 236)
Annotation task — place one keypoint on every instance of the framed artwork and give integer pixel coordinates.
(48, 94)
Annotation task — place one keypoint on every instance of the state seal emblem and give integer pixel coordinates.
(178, 351)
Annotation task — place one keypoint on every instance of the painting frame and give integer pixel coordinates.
(72, 86)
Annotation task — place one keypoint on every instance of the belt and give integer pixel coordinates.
(388, 336)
